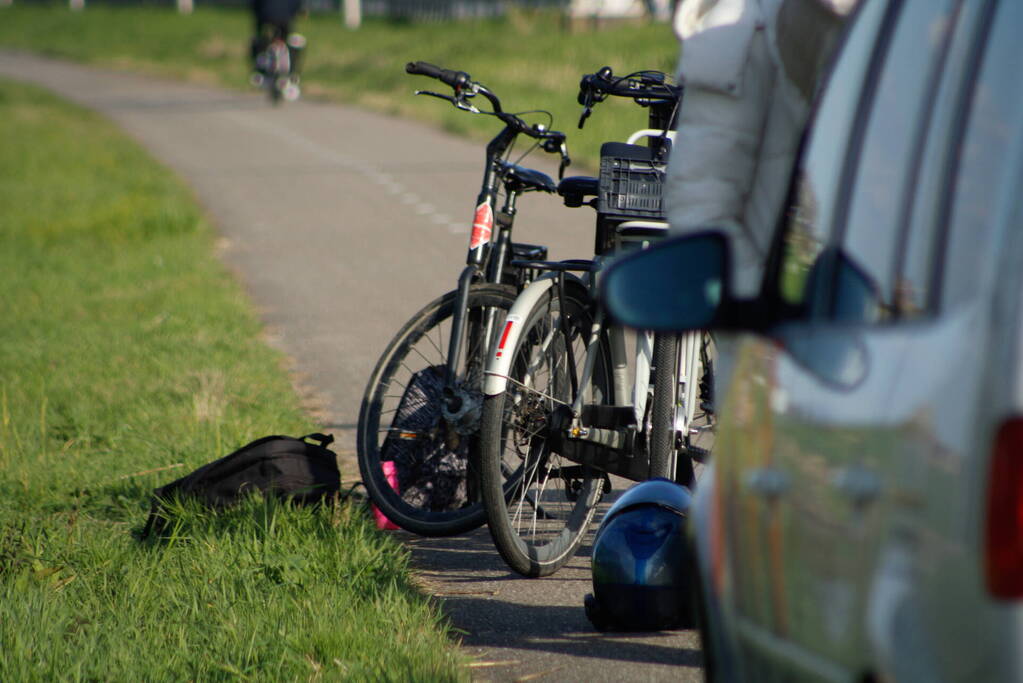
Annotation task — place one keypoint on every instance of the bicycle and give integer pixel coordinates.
(422, 404)
(277, 63)
(553, 434)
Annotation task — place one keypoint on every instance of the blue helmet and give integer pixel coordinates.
(642, 563)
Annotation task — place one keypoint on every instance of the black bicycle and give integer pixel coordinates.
(419, 420)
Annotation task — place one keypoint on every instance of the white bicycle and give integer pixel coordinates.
(562, 412)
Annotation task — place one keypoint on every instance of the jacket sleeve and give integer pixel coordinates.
(729, 75)
(716, 36)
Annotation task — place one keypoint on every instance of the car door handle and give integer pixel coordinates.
(767, 482)
(857, 484)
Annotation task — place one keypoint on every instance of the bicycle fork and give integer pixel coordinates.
(459, 409)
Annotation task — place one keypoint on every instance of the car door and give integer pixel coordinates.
(821, 477)
(751, 487)
(749, 483)
(927, 609)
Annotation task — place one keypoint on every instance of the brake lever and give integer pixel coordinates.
(558, 144)
(587, 110)
(449, 98)
(457, 101)
(588, 96)
(465, 106)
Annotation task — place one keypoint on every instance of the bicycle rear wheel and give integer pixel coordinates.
(699, 441)
(401, 421)
(539, 503)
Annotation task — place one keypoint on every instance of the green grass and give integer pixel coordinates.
(529, 59)
(125, 348)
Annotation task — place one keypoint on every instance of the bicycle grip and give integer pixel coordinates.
(455, 79)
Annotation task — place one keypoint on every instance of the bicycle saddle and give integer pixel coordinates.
(576, 188)
(527, 179)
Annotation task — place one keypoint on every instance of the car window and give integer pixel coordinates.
(985, 156)
(919, 254)
(818, 177)
(889, 150)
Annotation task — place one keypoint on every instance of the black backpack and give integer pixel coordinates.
(290, 468)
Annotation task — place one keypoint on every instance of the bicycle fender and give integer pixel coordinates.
(499, 362)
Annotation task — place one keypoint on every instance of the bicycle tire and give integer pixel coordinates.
(423, 343)
(537, 527)
(700, 442)
(662, 439)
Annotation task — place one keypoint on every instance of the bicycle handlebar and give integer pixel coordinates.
(465, 87)
(644, 85)
(648, 88)
(456, 79)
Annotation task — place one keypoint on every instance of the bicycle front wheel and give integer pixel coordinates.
(539, 503)
(419, 467)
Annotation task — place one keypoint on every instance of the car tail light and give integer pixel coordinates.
(1004, 541)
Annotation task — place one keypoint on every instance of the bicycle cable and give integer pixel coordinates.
(536, 141)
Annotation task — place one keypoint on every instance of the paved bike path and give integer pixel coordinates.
(340, 224)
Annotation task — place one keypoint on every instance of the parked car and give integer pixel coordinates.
(863, 516)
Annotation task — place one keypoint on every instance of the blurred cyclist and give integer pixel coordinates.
(273, 21)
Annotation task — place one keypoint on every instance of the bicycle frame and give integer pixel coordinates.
(479, 255)
(485, 261)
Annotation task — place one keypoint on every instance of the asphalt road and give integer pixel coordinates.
(340, 224)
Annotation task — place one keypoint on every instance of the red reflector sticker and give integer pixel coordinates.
(482, 226)
(512, 319)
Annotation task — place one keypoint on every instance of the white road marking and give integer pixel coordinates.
(385, 180)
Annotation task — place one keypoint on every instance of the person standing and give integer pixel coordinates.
(751, 69)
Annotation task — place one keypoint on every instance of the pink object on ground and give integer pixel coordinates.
(392, 478)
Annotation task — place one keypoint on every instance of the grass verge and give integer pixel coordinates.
(127, 358)
(529, 59)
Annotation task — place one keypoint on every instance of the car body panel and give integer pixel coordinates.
(840, 535)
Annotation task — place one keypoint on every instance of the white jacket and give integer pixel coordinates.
(750, 68)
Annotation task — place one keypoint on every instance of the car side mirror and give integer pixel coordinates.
(675, 285)
(842, 290)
